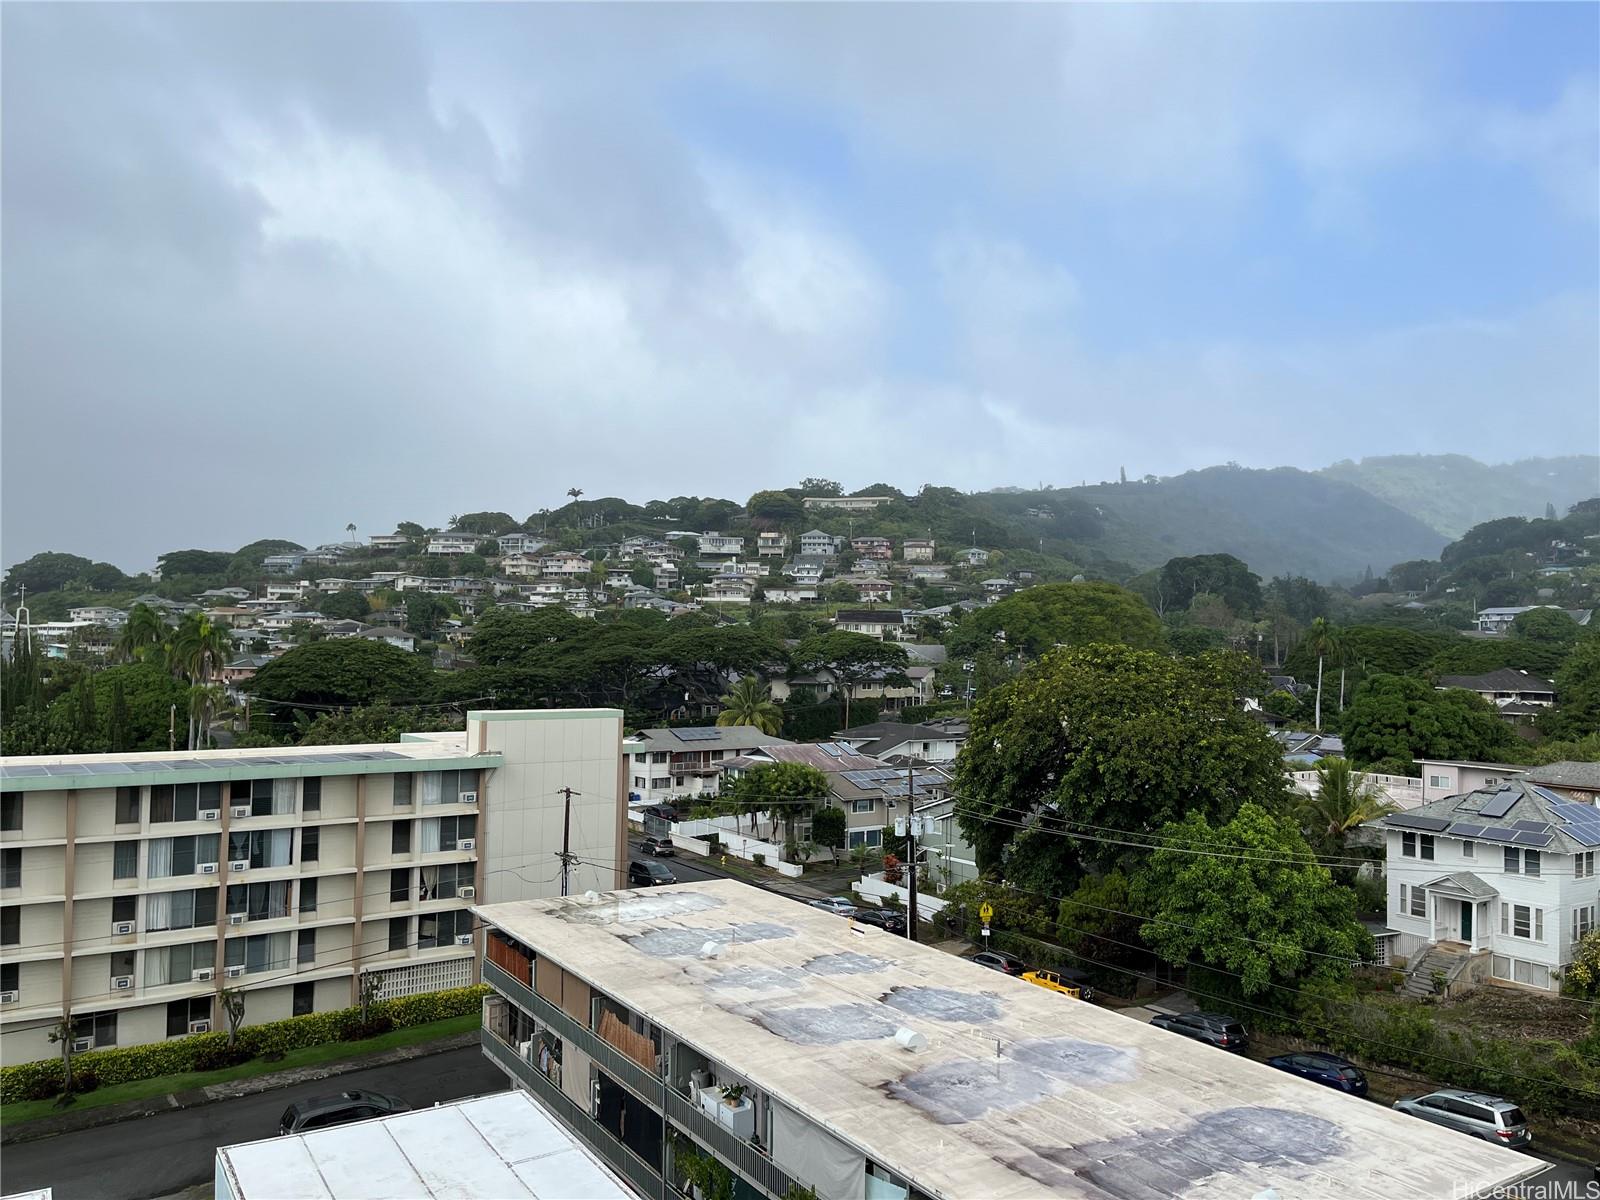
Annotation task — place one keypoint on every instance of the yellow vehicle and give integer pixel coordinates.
(1049, 979)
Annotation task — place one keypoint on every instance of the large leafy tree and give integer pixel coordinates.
(749, 702)
(345, 605)
(1577, 715)
(1114, 737)
(852, 659)
(772, 509)
(50, 570)
(194, 562)
(785, 792)
(1398, 719)
(1246, 904)
(485, 524)
(1182, 579)
(373, 723)
(1551, 626)
(345, 671)
(1037, 619)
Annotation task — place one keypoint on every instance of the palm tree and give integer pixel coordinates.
(1345, 800)
(749, 702)
(1324, 641)
(351, 530)
(577, 509)
(141, 636)
(199, 650)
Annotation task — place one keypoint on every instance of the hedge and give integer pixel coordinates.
(209, 1051)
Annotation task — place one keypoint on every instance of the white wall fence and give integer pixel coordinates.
(1404, 791)
(686, 836)
(873, 887)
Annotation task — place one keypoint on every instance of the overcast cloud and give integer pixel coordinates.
(270, 269)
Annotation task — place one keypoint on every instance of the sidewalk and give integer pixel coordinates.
(70, 1121)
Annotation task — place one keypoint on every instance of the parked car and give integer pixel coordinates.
(1078, 978)
(883, 918)
(322, 1112)
(1216, 1029)
(1492, 1118)
(999, 960)
(839, 906)
(649, 874)
(658, 847)
(1053, 981)
(1327, 1069)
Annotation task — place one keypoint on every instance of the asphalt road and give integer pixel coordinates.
(155, 1156)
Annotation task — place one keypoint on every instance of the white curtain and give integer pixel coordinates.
(181, 910)
(160, 863)
(158, 905)
(430, 835)
(432, 787)
(282, 796)
(155, 966)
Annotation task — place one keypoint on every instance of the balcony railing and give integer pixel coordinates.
(726, 1145)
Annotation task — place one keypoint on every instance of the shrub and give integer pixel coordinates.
(760, 860)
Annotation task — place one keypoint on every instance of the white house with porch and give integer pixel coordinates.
(1496, 884)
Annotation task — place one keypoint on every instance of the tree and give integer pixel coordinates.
(141, 636)
(1182, 579)
(484, 524)
(1247, 903)
(642, 574)
(1343, 802)
(1323, 640)
(784, 791)
(1037, 619)
(345, 605)
(1096, 919)
(194, 562)
(577, 511)
(828, 829)
(350, 531)
(771, 509)
(1551, 626)
(426, 614)
(233, 1009)
(1114, 737)
(62, 1033)
(345, 671)
(1583, 973)
(749, 702)
(1402, 719)
(200, 649)
(1578, 689)
(50, 570)
(120, 725)
(852, 659)
(813, 485)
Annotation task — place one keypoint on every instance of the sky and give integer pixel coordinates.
(271, 270)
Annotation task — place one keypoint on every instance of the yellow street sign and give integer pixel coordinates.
(985, 911)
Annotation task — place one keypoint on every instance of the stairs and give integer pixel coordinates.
(1448, 957)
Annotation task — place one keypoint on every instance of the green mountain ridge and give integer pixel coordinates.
(1451, 493)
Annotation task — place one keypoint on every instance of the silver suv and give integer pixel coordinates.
(1489, 1117)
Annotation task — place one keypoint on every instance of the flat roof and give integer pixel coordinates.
(504, 1146)
(1019, 1091)
(57, 772)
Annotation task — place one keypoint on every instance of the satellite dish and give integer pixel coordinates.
(591, 895)
(711, 950)
(910, 1039)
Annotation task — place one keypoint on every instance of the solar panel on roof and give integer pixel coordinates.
(1466, 829)
(1498, 833)
(1412, 821)
(1526, 838)
(22, 772)
(1555, 797)
(1531, 826)
(698, 735)
(1499, 804)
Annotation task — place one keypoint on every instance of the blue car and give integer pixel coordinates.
(1327, 1069)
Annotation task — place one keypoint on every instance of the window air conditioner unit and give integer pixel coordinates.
(467, 844)
(118, 927)
(122, 983)
(233, 972)
(208, 868)
(80, 1045)
(8, 997)
(239, 864)
(209, 814)
(469, 797)
(467, 893)
(463, 939)
(199, 1026)
(240, 810)
(203, 975)
(235, 918)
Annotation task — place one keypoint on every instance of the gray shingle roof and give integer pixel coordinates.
(1506, 679)
(1584, 775)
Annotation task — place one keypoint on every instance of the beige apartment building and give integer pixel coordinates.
(134, 887)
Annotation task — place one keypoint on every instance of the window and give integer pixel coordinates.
(1469, 850)
(659, 756)
(442, 929)
(259, 901)
(180, 910)
(446, 833)
(271, 797)
(402, 791)
(10, 925)
(1513, 861)
(128, 806)
(102, 1027)
(399, 885)
(181, 1012)
(311, 794)
(308, 895)
(444, 882)
(677, 780)
(1438, 781)
(1582, 921)
(262, 847)
(10, 868)
(664, 781)
(305, 998)
(1419, 902)
(260, 952)
(125, 860)
(306, 951)
(399, 932)
(11, 812)
(124, 908)
(1583, 865)
(862, 806)
(1426, 841)
(639, 782)
(1519, 920)
(1490, 781)
(1530, 862)
(183, 801)
(310, 844)
(1408, 845)
(863, 837)
(400, 838)
(10, 977)
(179, 855)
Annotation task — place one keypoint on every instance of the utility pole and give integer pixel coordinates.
(566, 840)
(911, 849)
(172, 729)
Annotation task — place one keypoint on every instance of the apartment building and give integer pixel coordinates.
(772, 544)
(133, 887)
(802, 1051)
(451, 543)
(873, 547)
(918, 549)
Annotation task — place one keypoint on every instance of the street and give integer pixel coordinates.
(155, 1156)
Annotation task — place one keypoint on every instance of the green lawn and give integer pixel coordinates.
(141, 1089)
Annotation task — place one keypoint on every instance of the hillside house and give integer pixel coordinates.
(720, 545)
(917, 550)
(667, 764)
(1574, 780)
(815, 543)
(1505, 687)
(772, 544)
(388, 541)
(451, 543)
(882, 623)
(520, 543)
(873, 547)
